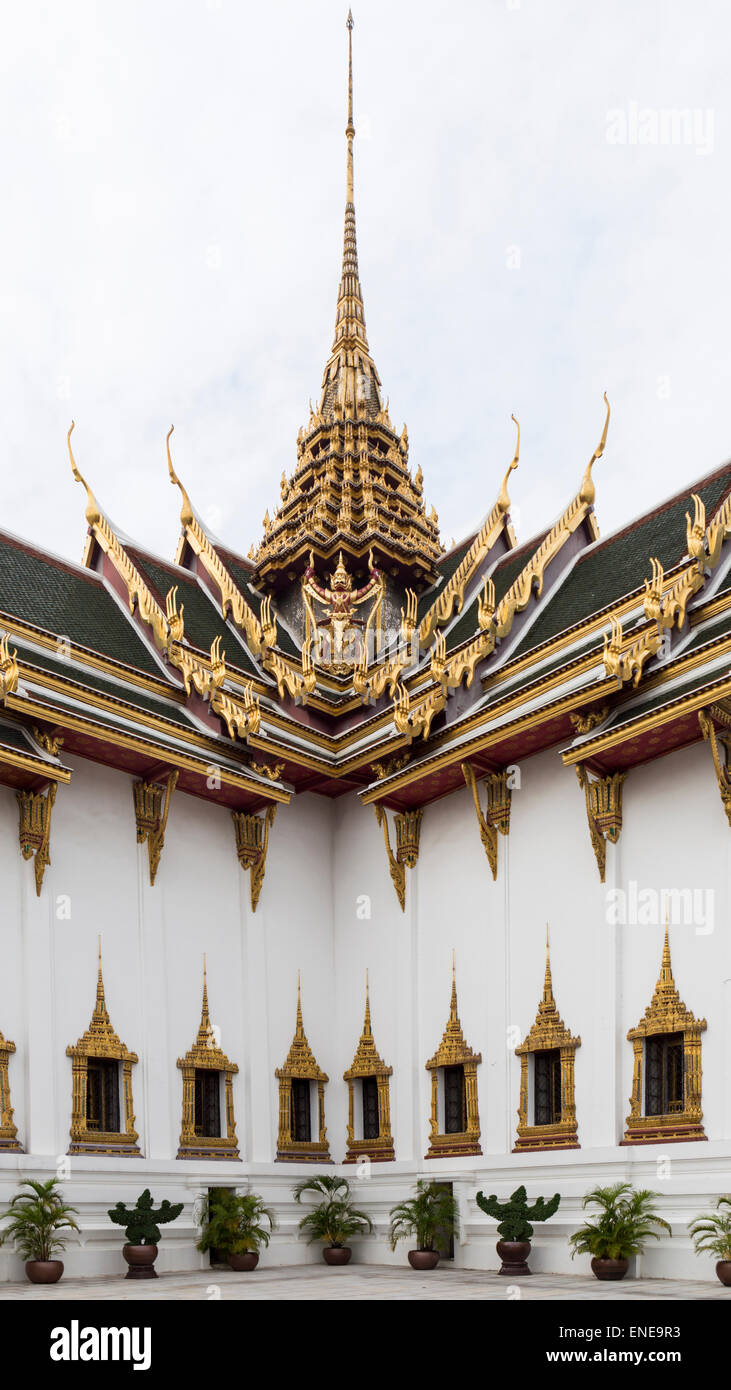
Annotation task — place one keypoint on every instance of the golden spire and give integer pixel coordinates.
(666, 984)
(453, 1015)
(299, 1030)
(101, 1015)
(206, 1036)
(350, 314)
(367, 1029)
(548, 1003)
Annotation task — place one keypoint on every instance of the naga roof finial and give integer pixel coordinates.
(93, 512)
(587, 492)
(186, 511)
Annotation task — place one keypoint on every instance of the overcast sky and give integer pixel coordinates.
(538, 221)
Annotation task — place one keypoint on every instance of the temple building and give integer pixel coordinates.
(247, 795)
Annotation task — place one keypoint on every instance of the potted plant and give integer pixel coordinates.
(515, 1230)
(627, 1218)
(432, 1211)
(235, 1225)
(142, 1232)
(712, 1235)
(334, 1219)
(38, 1222)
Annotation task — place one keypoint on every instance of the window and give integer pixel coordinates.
(370, 1108)
(301, 1123)
(207, 1122)
(455, 1101)
(664, 1074)
(547, 1087)
(102, 1096)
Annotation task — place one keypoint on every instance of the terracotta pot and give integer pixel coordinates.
(423, 1259)
(513, 1254)
(249, 1260)
(141, 1261)
(336, 1254)
(44, 1271)
(723, 1270)
(610, 1269)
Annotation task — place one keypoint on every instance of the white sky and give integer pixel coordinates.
(173, 180)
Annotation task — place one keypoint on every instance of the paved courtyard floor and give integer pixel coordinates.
(364, 1282)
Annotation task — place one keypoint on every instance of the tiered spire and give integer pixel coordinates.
(352, 489)
(350, 376)
(206, 1036)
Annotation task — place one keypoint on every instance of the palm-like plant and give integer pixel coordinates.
(712, 1232)
(334, 1220)
(39, 1221)
(626, 1221)
(432, 1210)
(236, 1223)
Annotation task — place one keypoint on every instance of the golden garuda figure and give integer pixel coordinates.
(339, 631)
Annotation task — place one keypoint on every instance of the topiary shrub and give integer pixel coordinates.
(515, 1215)
(140, 1220)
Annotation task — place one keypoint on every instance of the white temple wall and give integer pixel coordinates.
(328, 907)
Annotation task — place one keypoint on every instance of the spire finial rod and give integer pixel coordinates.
(350, 128)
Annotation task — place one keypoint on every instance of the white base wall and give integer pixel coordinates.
(328, 908)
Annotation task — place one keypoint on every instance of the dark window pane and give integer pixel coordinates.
(102, 1095)
(547, 1087)
(301, 1126)
(664, 1063)
(370, 1107)
(455, 1119)
(207, 1104)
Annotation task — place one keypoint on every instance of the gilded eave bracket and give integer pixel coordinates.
(408, 830)
(603, 811)
(34, 831)
(252, 843)
(152, 806)
(708, 729)
(496, 817)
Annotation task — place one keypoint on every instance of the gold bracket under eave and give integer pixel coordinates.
(34, 830)
(252, 843)
(152, 807)
(408, 830)
(497, 816)
(603, 798)
(708, 729)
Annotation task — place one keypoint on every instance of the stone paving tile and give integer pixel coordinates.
(363, 1283)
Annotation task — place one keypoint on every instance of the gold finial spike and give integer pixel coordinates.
(92, 506)
(666, 969)
(100, 1011)
(453, 1001)
(547, 980)
(367, 1030)
(350, 128)
(205, 1015)
(300, 1029)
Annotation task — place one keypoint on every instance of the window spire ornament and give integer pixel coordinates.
(96, 1088)
(552, 1049)
(207, 1057)
(453, 1056)
(366, 1068)
(297, 1078)
(665, 1105)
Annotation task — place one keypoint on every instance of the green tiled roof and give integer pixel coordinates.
(655, 699)
(504, 574)
(203, 622)
(617, 566)
(446, 568)
(58, 667)
(69, 602)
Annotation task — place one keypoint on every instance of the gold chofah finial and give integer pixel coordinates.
(186, 511)
(93, 514)
(503, 500)
(587, 491)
